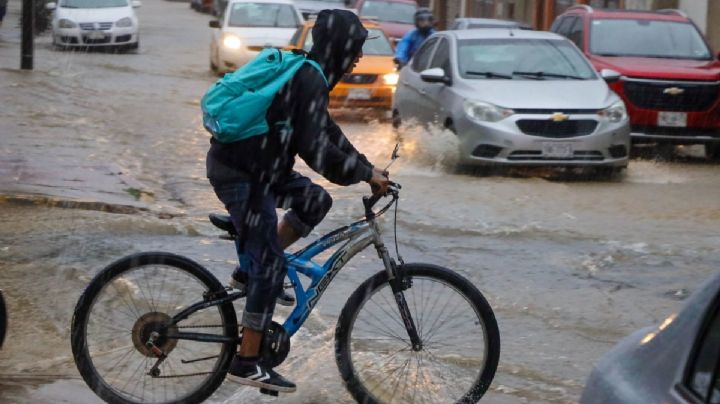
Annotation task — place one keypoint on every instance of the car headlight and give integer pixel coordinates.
(65, 23)
(485, 112)
(391, 79)
(124, 22)
(615, 113)
(232, 42)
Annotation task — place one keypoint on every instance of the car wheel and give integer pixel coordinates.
(396, 121)
(712, 151)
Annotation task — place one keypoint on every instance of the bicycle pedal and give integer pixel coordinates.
(269, 392)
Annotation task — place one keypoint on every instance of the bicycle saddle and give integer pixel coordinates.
(223, 222)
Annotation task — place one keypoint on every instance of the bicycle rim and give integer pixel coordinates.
(456, 345)
(123, 313)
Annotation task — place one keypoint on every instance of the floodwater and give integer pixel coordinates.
(570, 265)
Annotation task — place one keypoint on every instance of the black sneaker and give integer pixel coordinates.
(239, 279)
(257, 375)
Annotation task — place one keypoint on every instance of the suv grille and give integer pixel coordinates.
(99, 26)
(658, 95)
(548, 128)
(359, 78)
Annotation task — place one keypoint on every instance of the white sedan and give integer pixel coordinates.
(248, 26)
(90, 23)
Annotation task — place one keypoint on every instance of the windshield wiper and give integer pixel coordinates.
(490, 75)
(541, 75)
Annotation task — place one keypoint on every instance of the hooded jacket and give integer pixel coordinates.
(338, 37)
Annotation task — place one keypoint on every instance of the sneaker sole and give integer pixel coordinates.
(260, 385)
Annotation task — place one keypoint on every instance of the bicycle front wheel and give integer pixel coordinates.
(131, 300)
(457, 328)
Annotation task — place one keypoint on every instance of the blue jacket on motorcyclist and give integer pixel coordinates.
(411, 41)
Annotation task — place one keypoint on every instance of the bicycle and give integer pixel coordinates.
(416, 353)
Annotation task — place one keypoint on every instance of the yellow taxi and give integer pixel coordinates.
(372, 82)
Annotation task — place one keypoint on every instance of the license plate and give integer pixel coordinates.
(96, 35)
(672, 119)
(359, 94)
(558, 150)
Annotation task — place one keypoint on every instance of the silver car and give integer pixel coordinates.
(515, 97)
(675, 362)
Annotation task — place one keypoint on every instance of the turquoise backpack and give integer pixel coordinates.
(234, 107)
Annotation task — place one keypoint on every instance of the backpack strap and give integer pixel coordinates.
(300, 51)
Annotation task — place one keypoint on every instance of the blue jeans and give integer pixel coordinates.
(252, 210)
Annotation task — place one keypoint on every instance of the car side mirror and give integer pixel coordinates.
(214, 24)
(609, 75)
(136, 3)
(435, 75)
(51, 6)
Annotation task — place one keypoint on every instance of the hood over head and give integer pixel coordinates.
(338, 37)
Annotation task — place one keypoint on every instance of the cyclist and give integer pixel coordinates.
(411, 41)
(255, 175)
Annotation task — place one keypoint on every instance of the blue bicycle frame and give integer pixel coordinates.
(356, 236)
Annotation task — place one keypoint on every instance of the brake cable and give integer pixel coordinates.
(397, 249)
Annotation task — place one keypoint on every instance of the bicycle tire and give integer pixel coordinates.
(346, 322)
(79, 344)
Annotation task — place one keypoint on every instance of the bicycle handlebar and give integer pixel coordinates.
(370, 201)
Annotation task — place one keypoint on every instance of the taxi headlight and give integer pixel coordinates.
(391, 79)
(232, 42)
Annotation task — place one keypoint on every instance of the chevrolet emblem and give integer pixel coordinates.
(559, 117)
(673, 91)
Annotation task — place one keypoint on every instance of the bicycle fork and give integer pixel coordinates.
(398, 284)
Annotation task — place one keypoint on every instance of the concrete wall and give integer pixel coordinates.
(697, 10)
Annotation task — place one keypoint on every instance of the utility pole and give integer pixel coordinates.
(28, 27)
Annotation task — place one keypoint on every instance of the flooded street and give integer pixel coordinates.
(569, 265)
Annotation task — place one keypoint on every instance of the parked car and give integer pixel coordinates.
(372, 82)
(396, 17)
(515, 98)
(92, 23)
(670, 77)
(247, 27)
(308, 8)
(203, 6)
(675, 362)
(476, 23)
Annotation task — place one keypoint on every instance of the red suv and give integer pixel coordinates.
(668, 76)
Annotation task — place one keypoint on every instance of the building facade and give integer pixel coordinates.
(541, 13)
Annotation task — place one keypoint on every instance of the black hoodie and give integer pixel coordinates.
(338, 37)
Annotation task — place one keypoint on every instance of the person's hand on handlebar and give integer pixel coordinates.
(379, 182)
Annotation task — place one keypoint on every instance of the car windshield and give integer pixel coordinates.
(377, 46)
(262, 15)
(388, 11)
(646, 38)
(522, 59)
(93, 3)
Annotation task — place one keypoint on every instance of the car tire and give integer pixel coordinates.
(712, 151)
(396, 120)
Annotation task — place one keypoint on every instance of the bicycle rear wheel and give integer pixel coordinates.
(457, 328)
(129, 300)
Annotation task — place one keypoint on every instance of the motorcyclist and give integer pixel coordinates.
(411, 41)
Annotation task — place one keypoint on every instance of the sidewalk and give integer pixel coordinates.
(46, 163)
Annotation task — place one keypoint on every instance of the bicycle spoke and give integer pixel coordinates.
(453, 353)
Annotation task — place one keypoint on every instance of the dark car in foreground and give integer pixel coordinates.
(675, 362)
(670, 77)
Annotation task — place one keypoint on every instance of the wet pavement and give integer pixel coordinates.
(102, 155)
